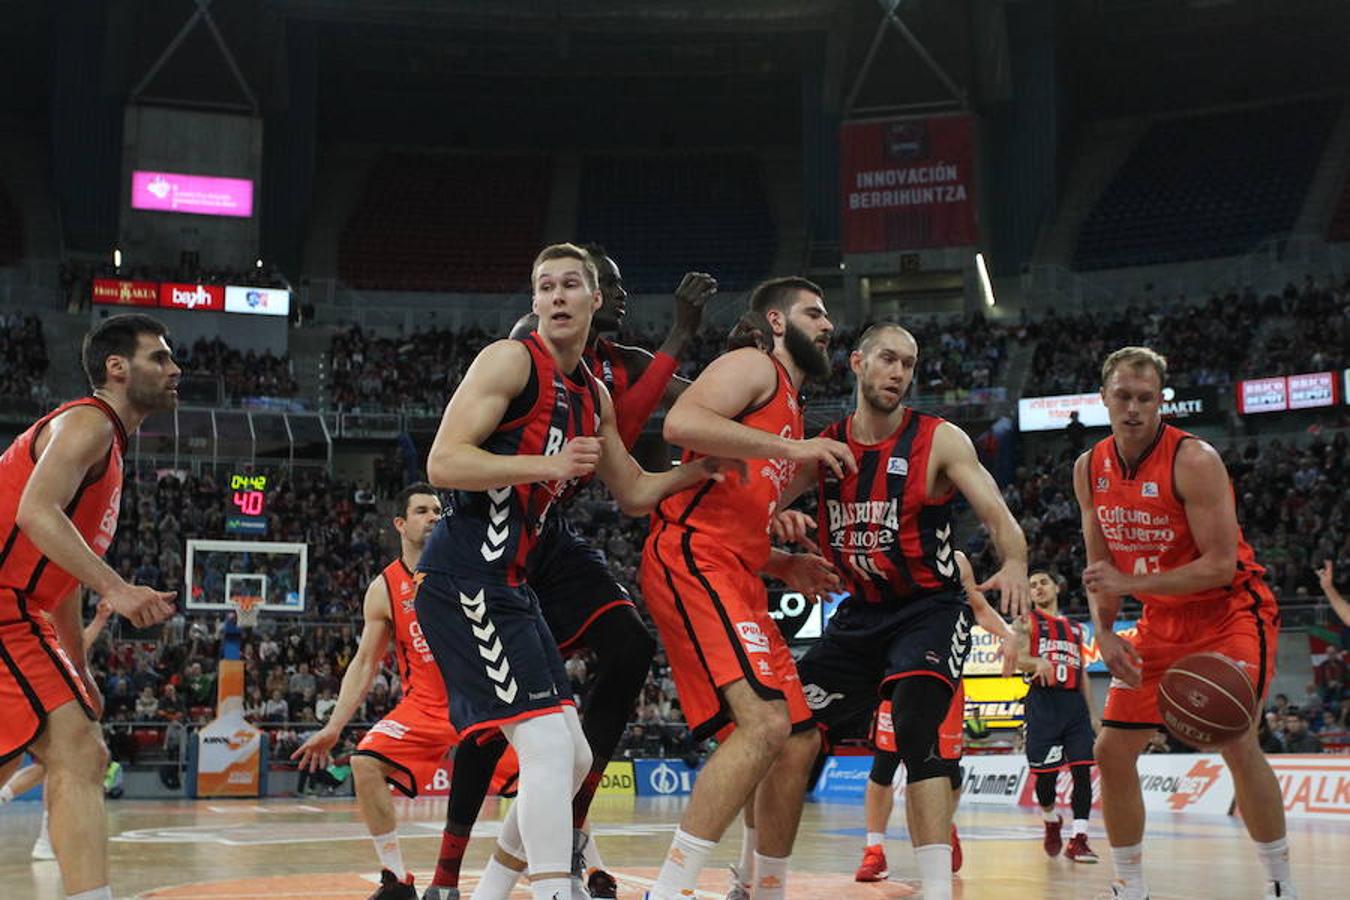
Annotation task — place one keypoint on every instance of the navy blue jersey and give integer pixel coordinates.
(490, 533)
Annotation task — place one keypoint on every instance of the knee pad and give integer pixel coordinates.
(884, 765)
(581, 750)
(918, 706)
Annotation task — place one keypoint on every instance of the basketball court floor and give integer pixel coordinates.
(317, 848)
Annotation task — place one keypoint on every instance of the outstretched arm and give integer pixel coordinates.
(1326, 578)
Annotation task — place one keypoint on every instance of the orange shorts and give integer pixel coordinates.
(1247, 632)
(951, 733)
(416, 741)
(713, 617)
(36, 676)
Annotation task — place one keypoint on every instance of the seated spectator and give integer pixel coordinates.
(277, 709)
(147, 705)
(1297, 738)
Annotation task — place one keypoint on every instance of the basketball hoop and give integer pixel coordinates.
(246, 609)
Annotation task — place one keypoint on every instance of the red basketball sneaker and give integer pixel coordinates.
(873, 866)
(956, 850)
(1053, 842)
(1079, 851)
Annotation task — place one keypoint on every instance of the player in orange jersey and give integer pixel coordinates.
(60, 492)
(1160, 525)
(406, 747)
(701, 578)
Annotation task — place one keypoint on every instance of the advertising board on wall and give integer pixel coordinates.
(200, 195)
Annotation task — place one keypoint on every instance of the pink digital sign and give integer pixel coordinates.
(197, 194)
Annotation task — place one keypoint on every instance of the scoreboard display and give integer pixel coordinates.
(246, 496)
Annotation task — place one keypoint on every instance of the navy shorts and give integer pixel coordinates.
(573, 582)
(867, 647)
(499, 661)
(1059, 729)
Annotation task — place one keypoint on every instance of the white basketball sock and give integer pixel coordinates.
(685, 860)
(935, 870)
(770, 877)
(1130, 869)
(391, 857)
(1079, 827)
(745, 865)
(103, 893)
(875, 839)
(1275, 857)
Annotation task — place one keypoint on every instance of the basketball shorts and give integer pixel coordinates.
(495, 652)
(36, 675)
(951, 734)
(415, 741)
(867, 647)
(1247, 632)
(1059, 729)
(712, 614)
(573, 583)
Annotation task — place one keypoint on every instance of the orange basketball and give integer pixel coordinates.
(1207, 700)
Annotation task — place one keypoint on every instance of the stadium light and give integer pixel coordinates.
(117, 257)
(986, 288)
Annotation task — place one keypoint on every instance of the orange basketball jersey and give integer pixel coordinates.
(422, 681)
(1144, 521)
(736, 512)
(23, 567)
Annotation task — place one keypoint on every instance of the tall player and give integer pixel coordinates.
(904, 630)
(407, 746)
(1160, 525)
(700, 576)
(586, 608)
(60, 490)
(1059, 719)
(526, 422)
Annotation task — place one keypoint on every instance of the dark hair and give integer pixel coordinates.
(596, 252)
(777, 293)
(115, 336)
(404, 496)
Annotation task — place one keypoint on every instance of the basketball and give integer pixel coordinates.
(1207, 700)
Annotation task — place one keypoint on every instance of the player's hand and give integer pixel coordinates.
(1044, 671)
(1326, 578)
(810, 575)
(103, 611)
(1103, 578)
(578, 458)
(825, 452)
(1011, 583)
(143, 605)
(792, 526)
(1121, 658)
(717, 467)
(695, 290)
(316, 752)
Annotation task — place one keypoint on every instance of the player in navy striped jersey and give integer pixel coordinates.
(1059, 719)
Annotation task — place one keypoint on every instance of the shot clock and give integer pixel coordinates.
(247, 511)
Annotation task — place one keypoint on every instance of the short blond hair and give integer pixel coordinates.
(1135, 358)
(589, 273)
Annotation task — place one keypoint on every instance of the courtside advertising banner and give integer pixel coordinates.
(1312, 390)
(996, 700)
(994, 780)
(197, 194)
(908, 184)
(618, 779)
(1314, 786)
(843, 778)
(257, 301)
(120, 292)
(663, 777)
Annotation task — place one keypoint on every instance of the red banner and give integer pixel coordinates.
(118, 292)
(908, 183)
(192, 297)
